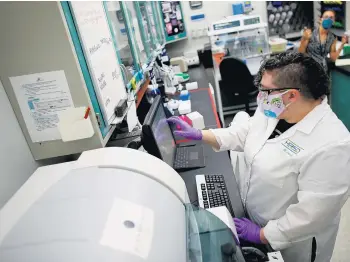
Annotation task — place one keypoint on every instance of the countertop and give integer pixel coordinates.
(342, 69)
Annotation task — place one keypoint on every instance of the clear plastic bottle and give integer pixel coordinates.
(260, 44)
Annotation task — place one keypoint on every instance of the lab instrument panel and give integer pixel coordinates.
(241, 36)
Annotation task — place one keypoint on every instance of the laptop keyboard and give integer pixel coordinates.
(181, 159)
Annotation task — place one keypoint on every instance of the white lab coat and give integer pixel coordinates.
(296, 184)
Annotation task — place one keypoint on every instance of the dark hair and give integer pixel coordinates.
(330, 10)
(296, 70)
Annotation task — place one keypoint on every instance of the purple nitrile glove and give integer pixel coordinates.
(186, 131)
(247, 230)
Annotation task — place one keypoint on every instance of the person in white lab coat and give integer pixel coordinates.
(296, 160)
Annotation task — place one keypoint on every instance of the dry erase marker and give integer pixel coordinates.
(87, 111)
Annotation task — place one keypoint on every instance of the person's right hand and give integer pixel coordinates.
(344, 39)
(186, 131)
(307, 33)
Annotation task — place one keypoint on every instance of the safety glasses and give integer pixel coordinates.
(268, 91)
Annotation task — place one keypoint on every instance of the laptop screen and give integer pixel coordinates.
(163, 136)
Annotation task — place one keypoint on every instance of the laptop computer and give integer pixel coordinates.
(158, 140)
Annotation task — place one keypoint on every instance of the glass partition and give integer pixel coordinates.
(128, 56)
(152, 16)
(142, 45)
(138, 32)
(146, 17)
(157, 15)
(208, 236)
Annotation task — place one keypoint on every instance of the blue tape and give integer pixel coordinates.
(197, 17)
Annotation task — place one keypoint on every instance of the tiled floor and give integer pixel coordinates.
(342, 246)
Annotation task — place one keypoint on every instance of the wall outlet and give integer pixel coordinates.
(193, 33)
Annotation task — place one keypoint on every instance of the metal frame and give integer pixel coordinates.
(160, 35)
(153, 38)
(130, 35)
(145, 39)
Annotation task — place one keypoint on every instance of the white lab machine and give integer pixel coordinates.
(103, 207)
(241, 36)
(180, 62)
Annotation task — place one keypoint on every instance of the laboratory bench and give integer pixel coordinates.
(202, 101)
(216, 162)
(342, 69)
(340, 93)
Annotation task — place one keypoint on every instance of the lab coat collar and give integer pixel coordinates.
(307, 124)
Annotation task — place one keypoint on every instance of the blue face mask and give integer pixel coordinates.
(327, 23)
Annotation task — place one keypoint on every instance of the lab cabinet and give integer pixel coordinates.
(148, 16)
(63, 46)
(138, 35)
(340, 95)
(128, 41)
(143, 49)
(147, 22)
(172, 21)
(94, 52)
(120, 26)
(158, 20)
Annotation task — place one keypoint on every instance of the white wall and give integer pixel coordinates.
(16, 160)
(213, 11)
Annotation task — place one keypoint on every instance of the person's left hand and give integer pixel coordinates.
(344, 39)
(247, 230)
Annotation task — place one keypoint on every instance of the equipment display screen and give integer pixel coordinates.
(227, 25)
(163, 136)
(251, 21)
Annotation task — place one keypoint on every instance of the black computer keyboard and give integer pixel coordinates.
(212, 192)
(181, 159)
(126, 135)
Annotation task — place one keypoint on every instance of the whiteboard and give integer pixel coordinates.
(95, 35)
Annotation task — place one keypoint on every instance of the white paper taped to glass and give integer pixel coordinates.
(101, 56)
